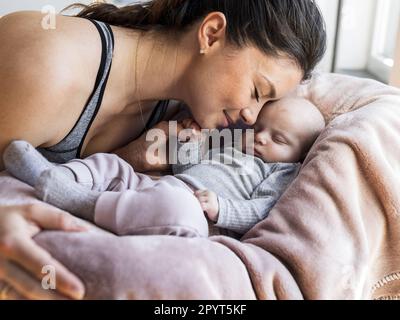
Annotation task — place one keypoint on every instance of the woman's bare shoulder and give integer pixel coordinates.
(43, 69)
(32, 46)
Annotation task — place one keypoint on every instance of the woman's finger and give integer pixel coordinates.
(52, 218)
(7, 292)
(27, 286)
(33, 229)
(25, 252)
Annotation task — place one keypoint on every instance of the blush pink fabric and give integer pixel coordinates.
(132, 203)
(335, 233)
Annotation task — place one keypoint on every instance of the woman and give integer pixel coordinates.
(225, 59)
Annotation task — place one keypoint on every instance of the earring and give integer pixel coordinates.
(202, 51)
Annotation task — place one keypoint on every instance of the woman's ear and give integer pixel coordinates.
(212, 32)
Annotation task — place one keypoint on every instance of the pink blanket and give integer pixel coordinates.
(335, 234)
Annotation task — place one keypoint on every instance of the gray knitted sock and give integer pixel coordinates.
(24, 162)
(58, 190)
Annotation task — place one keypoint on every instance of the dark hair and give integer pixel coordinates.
(295, 28)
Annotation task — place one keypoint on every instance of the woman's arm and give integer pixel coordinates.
(34, 84)
(21, 259)
(42, 87)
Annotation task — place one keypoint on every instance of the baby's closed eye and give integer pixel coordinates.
(277, 138)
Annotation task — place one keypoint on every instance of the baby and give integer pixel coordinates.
(233, 189)
(238, 195)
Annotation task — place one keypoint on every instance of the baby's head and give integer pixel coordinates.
(285, 131)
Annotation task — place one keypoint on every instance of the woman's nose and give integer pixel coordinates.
(248, 116)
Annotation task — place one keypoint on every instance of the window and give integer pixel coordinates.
(383, 46)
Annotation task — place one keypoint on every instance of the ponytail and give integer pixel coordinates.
(292, 27)
(156, 14)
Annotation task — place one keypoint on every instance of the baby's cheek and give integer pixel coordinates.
(277, 153)
(291, 155)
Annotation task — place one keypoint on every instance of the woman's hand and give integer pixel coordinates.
(22, 260)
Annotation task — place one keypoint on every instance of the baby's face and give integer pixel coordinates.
(282, 132)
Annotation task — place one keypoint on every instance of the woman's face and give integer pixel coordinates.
(228, 86)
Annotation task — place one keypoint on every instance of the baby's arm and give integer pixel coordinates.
(241, 215)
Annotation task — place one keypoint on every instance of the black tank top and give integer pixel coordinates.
(70, 147)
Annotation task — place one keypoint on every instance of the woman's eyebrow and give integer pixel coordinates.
(272, 93)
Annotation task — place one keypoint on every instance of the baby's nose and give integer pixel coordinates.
(260, 138)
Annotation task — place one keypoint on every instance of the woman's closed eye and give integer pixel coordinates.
(257, 94)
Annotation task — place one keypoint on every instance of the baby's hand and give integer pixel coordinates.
(191, 131)
(190, 124)
(209, 203)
